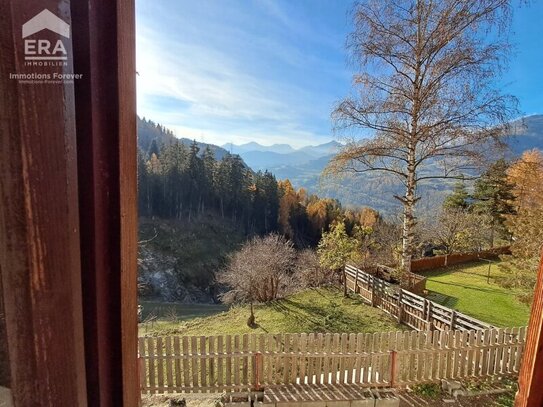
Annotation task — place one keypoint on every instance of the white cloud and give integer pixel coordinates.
(219, 98)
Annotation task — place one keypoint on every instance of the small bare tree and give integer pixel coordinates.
(309, 273)
(261, 271)
(426, 90)
(456, 230)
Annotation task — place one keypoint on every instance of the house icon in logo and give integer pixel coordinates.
(46, 20)
(43, 49)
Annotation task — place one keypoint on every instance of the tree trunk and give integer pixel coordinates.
(411, 179)
(408, 228)
(407, 235)
(251, 322)
(492, 229)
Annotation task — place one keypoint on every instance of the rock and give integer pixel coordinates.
(157, 279)
(458, 392)
(452, 387)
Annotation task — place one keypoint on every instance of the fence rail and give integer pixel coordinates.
(256, 361)
(408, 308)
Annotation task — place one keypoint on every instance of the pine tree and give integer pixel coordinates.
(459, 199)
(494, 197)
(196, 174)
(153, 149)
(143, 186)
(209, 165)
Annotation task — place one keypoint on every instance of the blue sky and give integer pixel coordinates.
(270, 71)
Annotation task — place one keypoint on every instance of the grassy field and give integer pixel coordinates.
(464, 287)
(181, 312)
(316, 310)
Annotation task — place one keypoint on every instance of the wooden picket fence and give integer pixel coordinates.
(408, 308)
(258, 361)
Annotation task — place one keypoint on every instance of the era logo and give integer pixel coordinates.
(42, 49)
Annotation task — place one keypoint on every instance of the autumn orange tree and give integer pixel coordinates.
(425, 90)
(527, 225)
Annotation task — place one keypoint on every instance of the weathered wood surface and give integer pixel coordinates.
(242, 362)
(408, 308)
(530, 392)
(68, 222)
(39, 223)
(105, 104)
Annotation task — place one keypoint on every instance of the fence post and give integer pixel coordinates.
(142, 374)
(453, 318)
(393, 355)
(356, 281)
(429, 324)
(400, 306)
(258, 370)
(372, 291)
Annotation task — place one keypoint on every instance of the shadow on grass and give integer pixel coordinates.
(327, 317)
(443, 299)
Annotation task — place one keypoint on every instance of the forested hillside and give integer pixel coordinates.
(151, 136)
(197, 207)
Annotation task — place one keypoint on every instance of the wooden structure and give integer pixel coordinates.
(416, 283)
(435, 262)
(336, 395)
(257, 361)
(531, 376)
(408, 308)
(68, 219)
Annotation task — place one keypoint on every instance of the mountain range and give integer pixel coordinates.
(303, 166)
(261, 157)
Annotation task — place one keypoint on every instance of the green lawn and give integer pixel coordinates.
(464, 287)
(181, 312)
(316, 310)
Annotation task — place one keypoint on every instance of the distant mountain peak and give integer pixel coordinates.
(254, 146)
(318, 150)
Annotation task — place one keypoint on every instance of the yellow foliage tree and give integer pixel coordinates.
(527, 225)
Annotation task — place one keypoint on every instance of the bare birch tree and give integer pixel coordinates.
(426, 89)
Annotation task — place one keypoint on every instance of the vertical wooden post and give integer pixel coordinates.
(393, 368)
(39, 219)
(400, 306)
(4, 352)
(356, 281)
(429, 324)
(373, 301)
(530, 392)
(104, 53)
(258, 360)
(453, 319)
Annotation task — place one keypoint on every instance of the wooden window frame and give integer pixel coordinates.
(68, 211)
(68, 217)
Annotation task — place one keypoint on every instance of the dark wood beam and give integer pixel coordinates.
(104, 52)
(4, 352)
(68, 221)
(39, 222)
(530, 392)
